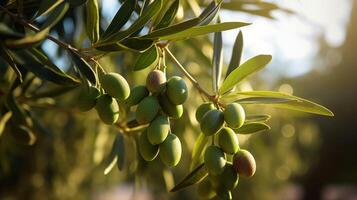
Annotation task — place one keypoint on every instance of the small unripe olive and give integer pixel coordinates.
(234, 115)
(212, 122)
(173, 111)
(215, 160)
(228, 140)
(171, 150)
(155, 81)
(224, 194)
(107, 109)
(203, 109)
(87, 98)
(176, 90)
(147, 110)
(115, 85)
(205, 189)
(244, 163)
(227, 180)
(146, 149)
(158, 130)
(137, 94)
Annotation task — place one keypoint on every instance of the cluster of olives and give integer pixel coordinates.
(223, 175)
(157, 102)
(116, 89)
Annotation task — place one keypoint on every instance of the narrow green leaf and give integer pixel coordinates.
(52, 92)
(46, 6)
(116, 155)
(92, 20)
(198, 149)
(4, 53)
(250, 128)
(7, 32)
(43, 58)
(217, 60)
(262, 100)
(250, 66)
(55, 15)
(192, 178)
(147, 59)
(84, 68)
(236, 53)
(202, 30)
(149, 13)
(120, 18)
(134, 44)
(298, 103)
(209, 12)
(27, 41)
(25, 59)
(257, 118)
(76, 3)
(169, 16)
(3, 120)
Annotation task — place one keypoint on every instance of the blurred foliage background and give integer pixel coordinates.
(301, 157)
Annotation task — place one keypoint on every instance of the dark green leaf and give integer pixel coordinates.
(198, 149)
(55, 15)
(169, 16)
(250, 66)
(4, 53)
(236, 53)
(53, 92)
(217, 59)
(202, 30)
(120, 18)
(42, 58)
(46, 6)
(149, 13)
(27, 41)
(116, 155)
(92, 20)
(257, 118)
(250, 128)
(7, 32)
(210, 12)
(132, 44)
(192, 178)
(84, 68)
(76, 2)
(297, 103)
(147, 59)
(25, 59)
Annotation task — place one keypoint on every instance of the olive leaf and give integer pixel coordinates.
(147, 59)
(3, 120)
(92, 20)
(193, 177)
(256, 118)
(262, 100)
(169, 15)
(120, 18)
(217, 60)
(46, 6)
(27, 41)
(84, 68)
(117, 154)
(236, 54)
(249, 67)
(55, 15)
(7, 32)
(253, 127)
(135, 44)
(5, 54)
(296, 103)
(198, 149)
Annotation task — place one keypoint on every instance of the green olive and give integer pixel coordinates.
(177, 90)
(244, 163)
(155, 81)
(173, 111)
(87, 98)
(115, 85)
(234, 115)
(227, 180)
(137, 94)
(147, 110)
(215, 160)
(107, 109)
(158, 130)
(148, 151)
(171, 150)
(212, 122)
(203, 109)
(228, 140)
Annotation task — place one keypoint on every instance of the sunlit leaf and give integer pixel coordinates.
(217, 59)
(92, 20)
(298, 103)
(236, 53)
(116, 155)
(47, 6)
(192, 178)
(169, 16)
(27, 41)
(253, 127)
(134, 44)
(55, 15)
(256, 118)
(120, 18)
(202, 30)
(249, 67)
(147, 59)
(198, 149)
(262, 100)
(3, 120)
